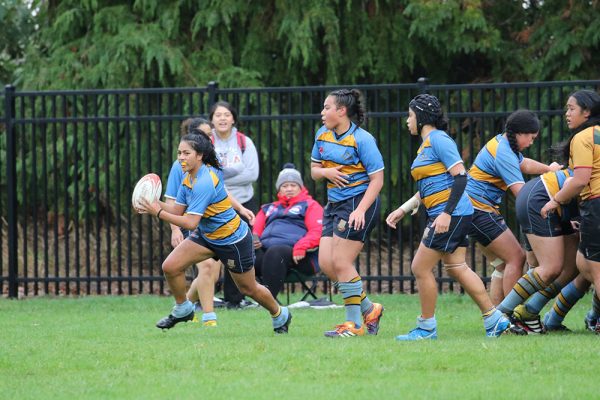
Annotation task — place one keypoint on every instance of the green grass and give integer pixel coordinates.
(108, 347)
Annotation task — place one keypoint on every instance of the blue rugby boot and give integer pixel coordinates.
(501, 326)
(418, 334)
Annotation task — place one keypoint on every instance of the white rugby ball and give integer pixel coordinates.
(148, 187)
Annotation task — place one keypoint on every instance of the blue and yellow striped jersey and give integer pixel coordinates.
(356, 150)
(436, 155)
(205, 195)
(494, 170)
(554, 181)
(174, 180)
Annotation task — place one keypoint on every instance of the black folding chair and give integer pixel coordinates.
(294, 276)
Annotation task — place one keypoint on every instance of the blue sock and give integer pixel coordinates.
(527, 285)
(280, 318)
(539, 299)
(209, 316)
(365, 303)
(490, 318)
(564, 302)
(429, 324)
(183, 309)
(351, 293)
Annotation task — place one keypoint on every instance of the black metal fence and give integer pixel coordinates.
(72, 158)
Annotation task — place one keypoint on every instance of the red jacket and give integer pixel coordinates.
(297, 222)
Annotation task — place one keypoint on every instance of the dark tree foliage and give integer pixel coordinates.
(16, 26)
(241, 43)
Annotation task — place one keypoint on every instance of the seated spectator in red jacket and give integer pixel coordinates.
(287, 232)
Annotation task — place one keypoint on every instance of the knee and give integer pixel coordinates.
(552, 272)
(340, 264)
(516, 258)
(419, 272)
(521, 257)
(170, 268)
(247, 289)
(455, 271)
(204, 270)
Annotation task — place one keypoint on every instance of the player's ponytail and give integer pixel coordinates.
(512, 141)
(354, 102)
(520, 121)
(202, 144)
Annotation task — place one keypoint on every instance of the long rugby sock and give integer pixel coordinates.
(540, 298)
(365, 303)
(527, 285)
(565, 300)
(351, 293)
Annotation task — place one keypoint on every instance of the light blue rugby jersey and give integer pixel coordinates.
(436, 155)
(205, 195)
(174, 180)
(494, 170)
(356, 150)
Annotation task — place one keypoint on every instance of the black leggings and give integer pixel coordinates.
(272, 265)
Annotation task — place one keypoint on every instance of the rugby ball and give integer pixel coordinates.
(149, 188)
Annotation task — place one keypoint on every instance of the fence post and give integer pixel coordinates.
(212, 93)
(423, 84)
(11, 180)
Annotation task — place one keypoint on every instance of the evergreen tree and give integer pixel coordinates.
(240, 43)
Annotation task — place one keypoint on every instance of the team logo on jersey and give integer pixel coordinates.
(347, 155)
(295, 210)
(321, 149)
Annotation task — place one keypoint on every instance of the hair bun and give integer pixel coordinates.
(289, 166)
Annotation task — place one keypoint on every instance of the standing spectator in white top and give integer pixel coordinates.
(239, 160)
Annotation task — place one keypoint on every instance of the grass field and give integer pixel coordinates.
(108, 348)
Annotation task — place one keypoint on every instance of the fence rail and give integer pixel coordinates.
(71, 159)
